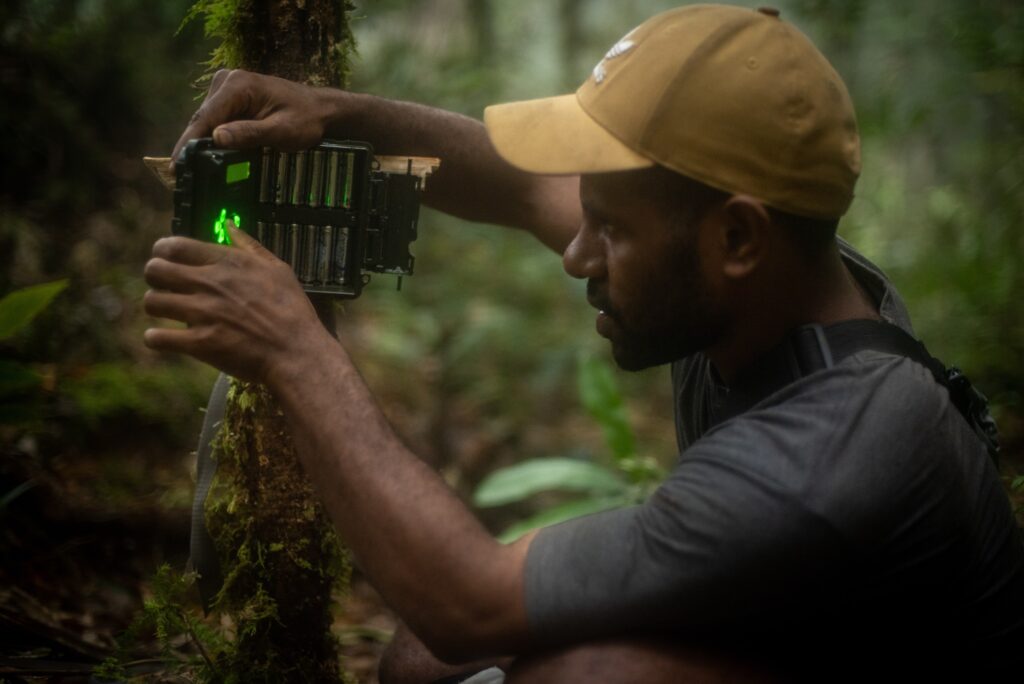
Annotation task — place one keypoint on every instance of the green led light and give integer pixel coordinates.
(238, 172)
(220, 227)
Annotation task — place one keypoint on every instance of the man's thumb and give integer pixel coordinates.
(239, 238)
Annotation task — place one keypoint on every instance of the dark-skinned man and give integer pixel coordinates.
(832, 514)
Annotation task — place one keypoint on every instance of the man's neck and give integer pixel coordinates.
(825, 295)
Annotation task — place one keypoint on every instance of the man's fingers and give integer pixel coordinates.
(167, 275)
(273, 131)
(171, 305)
(218, 80)
(229, 97)
(183, 250)
(243, 134)
(183, 340)
(242, 240)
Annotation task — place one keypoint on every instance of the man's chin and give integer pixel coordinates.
(633, 360)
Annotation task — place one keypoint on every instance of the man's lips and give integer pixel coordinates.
(598, 300)
(605, 316)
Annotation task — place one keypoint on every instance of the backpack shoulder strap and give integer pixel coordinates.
(850, 337)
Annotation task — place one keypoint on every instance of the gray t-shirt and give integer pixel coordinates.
(850, 512)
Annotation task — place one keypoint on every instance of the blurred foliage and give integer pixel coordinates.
(475, 360)
(629, 480)
(939, 88)
(88, 87)
(18, 382)
(17, 309)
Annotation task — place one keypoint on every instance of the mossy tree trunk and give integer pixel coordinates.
(279, 554)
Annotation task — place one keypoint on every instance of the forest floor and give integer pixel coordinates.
(82, 545)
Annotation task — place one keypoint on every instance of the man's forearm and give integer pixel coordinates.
(473, 182)
(244, 109)
(458, 589)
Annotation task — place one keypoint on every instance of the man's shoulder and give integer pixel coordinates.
(862, 404)
(866, 427)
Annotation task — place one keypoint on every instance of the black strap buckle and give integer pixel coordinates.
(973, 405)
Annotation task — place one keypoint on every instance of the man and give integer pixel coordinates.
(825, 512)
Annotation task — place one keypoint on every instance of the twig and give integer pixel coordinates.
(199, 644)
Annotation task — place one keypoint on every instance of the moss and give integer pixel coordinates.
(308, 41)
(278, 551)
(279, 554)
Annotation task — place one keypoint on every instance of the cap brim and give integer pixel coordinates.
(554, 135)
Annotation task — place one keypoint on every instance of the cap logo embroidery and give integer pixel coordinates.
(619, 49)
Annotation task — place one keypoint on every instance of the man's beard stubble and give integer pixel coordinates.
(677, 324)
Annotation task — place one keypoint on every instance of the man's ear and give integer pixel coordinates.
(745, 236)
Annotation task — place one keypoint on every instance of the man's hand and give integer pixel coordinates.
(245, 311)
(244, 110)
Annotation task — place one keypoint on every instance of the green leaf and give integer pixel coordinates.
(600, 396)
(1018, 482)
(557, 514)
(18, 308)
(540, 474)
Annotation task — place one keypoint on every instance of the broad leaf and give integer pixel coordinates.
(18, 308)
(557, 514)
(536, 475)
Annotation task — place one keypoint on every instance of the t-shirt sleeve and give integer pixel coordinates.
(754, 523)
(714, 546)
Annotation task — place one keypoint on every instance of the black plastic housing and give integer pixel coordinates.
(329, 211)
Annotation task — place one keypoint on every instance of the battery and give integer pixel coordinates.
(266, 176)
(277, 240)
(261, 232)
(333, 179)
(350, 170)
(294, 239)
(298, 179)
(340, 253)
(281, 180)
(316, 179)
(324, 253)
(309, 245)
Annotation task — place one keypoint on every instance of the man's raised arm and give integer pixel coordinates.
(244, 109)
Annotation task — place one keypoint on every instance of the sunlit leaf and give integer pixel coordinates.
(557, 514)
(537, 475)
(18, 308)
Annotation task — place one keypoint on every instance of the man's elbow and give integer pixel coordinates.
(464, 636)
(484, 615)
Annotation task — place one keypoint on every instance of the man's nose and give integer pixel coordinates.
(583, 257)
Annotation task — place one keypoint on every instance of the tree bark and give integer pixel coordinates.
(280, 557)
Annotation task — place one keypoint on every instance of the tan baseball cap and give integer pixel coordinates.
(735, 98)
